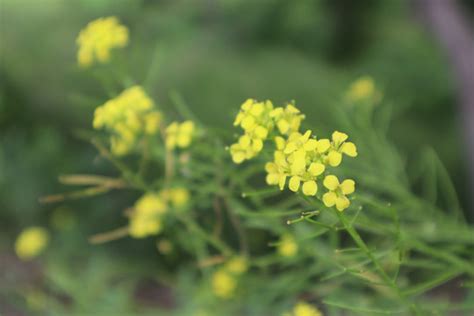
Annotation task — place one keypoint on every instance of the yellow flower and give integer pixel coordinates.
(254, 118)
(223, 284)
(337, 192)
(178, 197)
(31, 242)
(361, 89)
(300, 158)
(276, 174)
(288, 119)
(179, 135)
(237, 265)
(142, 226)
(245, 148)
(287, 247)
(339, 146)
(127, 116)
(305, 309)
(146, 217)
(150, 203)
(152, 122)
(98, 38)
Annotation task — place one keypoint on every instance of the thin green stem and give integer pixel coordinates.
(363, 246)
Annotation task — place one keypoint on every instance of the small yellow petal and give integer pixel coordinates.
(331, 182)
(244, 141)
(272, 179)
(310, 188)
(299, 162)
(311, 145)
(283, 126)
(282, 181)
(290, 147)
(248, 123)
(294, 184)
(257, 109)
(329, 199)
(271, 167)
(316, 168)
(247, 104)
(348, 186)
(187, 127)
(342, 203)
(334, 158)
(280, 142)
(306, 136)
(349, 149)
(338, 137)
(323, 145)
(257, 144)
(261, 132)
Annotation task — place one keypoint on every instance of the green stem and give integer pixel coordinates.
(218, 244)
(363, 246)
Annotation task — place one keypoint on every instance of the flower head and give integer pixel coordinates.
(31, 242)
(300, 158)
(288, 119)
(287, 247)
(179, 134)
(146, 218)
(223, 284)
(127, 116)
(361, 89)
(98, 38)
(337, 192)
(254, 118)
(340, 146)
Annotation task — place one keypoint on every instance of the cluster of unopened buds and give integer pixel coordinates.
(300, 159)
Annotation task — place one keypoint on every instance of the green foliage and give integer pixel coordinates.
(401, 248)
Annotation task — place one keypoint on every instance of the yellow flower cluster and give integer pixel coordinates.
(303, 159)
(287, 247)
(225, 279)
(98, 38)
(31, 242)
(258, 120)
(179, 134)
(146, 218)
(300, 158)
(304, 309)
(127, 116)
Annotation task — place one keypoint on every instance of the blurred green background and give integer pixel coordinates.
(215, 53)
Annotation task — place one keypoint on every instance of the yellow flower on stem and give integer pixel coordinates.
(337, 192)
(340, 146)
(179, 134)
(31, 242)
(146, 217)
(288, 119)
(362, 89)
(287, 247)
(223, 284)
(127, 116)
(98, 38)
